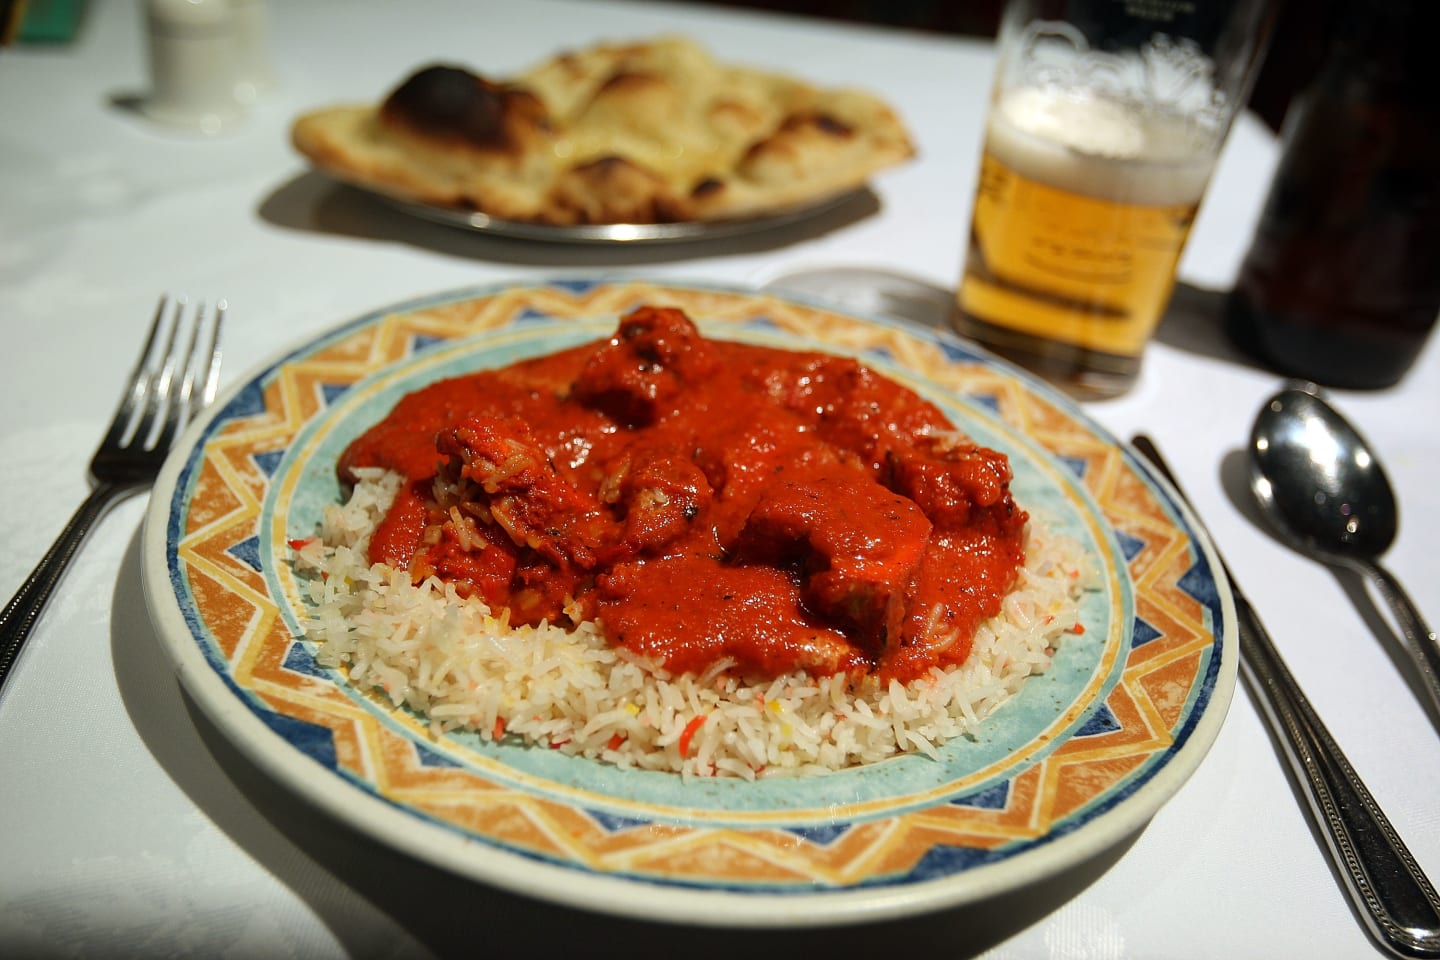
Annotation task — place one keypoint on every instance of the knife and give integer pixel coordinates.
(1387, 886)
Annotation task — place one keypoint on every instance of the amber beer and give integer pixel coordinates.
(1081, 213)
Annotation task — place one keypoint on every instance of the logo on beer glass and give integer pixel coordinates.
(1165, 74)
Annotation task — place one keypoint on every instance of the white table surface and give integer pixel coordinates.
(129, 827)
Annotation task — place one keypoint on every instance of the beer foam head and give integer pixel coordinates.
(1099, 128)
(1101, 148)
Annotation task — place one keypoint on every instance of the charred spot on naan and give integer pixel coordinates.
(452, 107)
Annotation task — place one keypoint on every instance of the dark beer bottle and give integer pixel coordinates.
(1341, 284)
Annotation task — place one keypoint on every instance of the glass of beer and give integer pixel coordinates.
(1105, 123)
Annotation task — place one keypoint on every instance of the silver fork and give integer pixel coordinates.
(174, 378)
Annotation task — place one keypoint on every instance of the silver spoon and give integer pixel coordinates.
(1324, 491)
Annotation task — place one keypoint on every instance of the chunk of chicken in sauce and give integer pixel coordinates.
(517, 487)
(641, 373)
(855, 547)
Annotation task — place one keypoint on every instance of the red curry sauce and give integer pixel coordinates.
(704, 499)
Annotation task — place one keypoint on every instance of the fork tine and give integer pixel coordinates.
(181, 406)
(212, 371)
(178, 405)
(157, 399)
(139, 383)
(187, 381)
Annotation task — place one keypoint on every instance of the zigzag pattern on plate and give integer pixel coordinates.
(222, 559)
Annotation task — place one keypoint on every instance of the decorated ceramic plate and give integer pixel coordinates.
(1078, 760)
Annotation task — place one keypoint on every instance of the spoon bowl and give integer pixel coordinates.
(1325, 493)
(1317, 482)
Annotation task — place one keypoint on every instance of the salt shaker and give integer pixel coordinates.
(253, 76)
(193, 63)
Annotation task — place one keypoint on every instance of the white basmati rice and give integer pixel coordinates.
(454, 662)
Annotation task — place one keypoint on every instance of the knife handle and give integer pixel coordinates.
(1387, 886)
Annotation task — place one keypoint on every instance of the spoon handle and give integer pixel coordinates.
(1392, 894)
(1419, 639)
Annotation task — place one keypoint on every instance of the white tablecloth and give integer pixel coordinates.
(128, 827)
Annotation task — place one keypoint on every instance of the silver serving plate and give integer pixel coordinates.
(615, 233)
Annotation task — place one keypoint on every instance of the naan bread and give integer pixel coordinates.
(648, 132)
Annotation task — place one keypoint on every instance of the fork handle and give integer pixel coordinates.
(24, 608)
